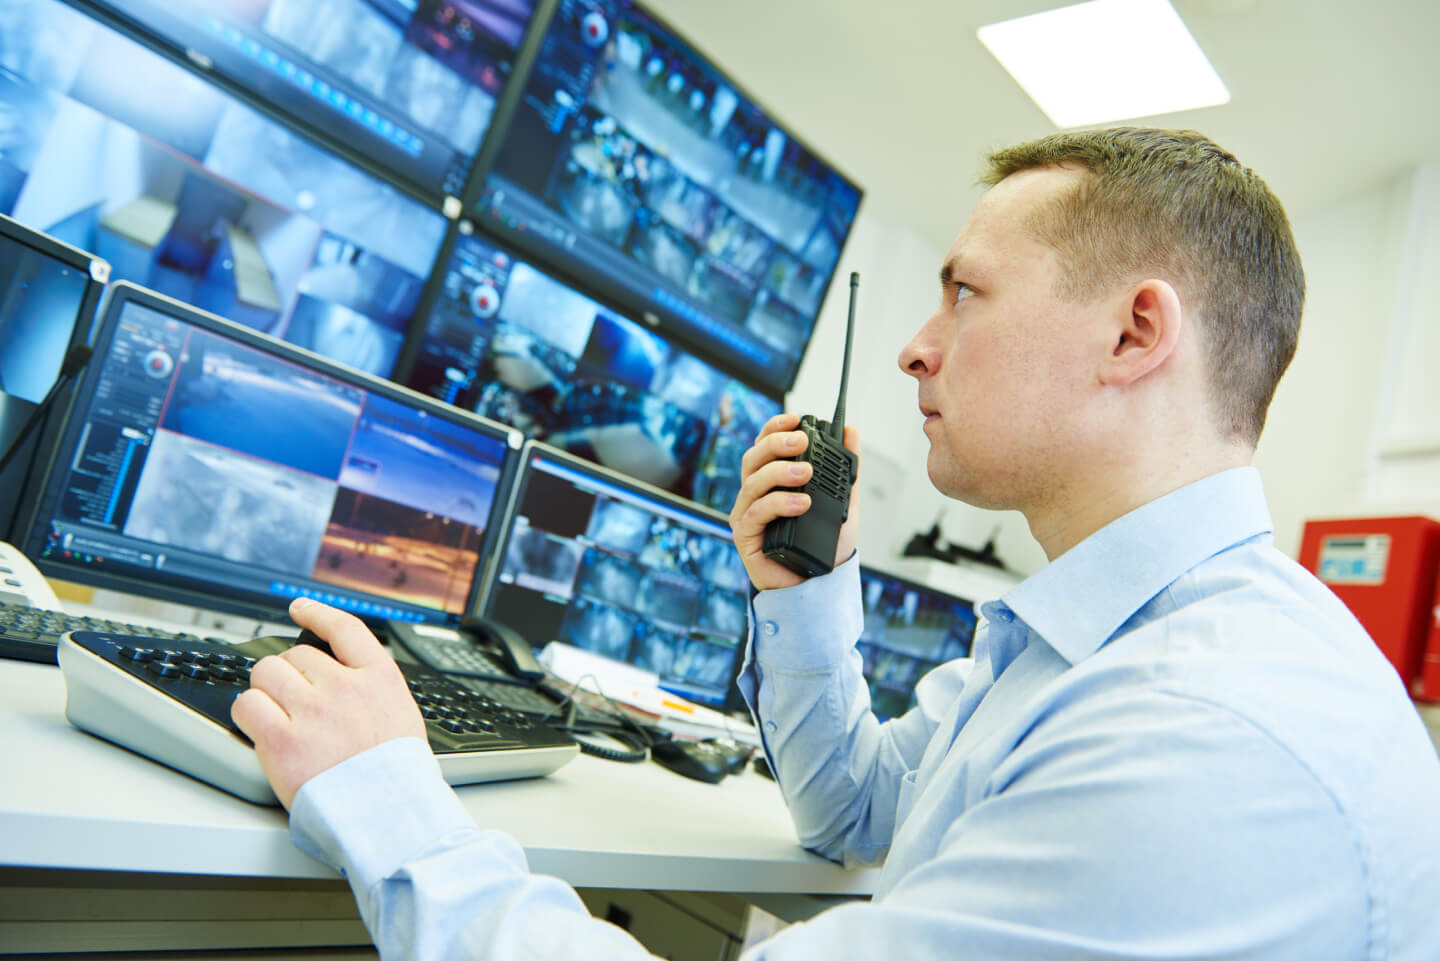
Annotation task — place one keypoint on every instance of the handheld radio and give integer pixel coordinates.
(806, 544)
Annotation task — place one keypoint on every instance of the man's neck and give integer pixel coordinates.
(1075, 512)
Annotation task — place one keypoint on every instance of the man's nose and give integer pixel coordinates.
(920, 358)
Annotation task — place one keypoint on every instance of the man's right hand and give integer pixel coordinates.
(763, 469)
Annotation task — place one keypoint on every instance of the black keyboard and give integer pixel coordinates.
(32, 634)
(169, 699)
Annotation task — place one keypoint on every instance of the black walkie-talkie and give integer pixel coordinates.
(806, 544)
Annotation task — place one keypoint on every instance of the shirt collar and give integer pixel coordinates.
(1086, 594)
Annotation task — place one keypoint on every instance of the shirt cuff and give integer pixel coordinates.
(811, 627)
(397, 785)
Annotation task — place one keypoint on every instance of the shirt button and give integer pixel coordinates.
(771, 727)
(1004, 616)
(770, 628)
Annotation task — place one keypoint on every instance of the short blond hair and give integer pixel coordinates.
(1173, 204)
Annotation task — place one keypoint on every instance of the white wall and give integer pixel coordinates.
(1358, 386)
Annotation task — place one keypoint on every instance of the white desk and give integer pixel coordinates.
(69, 800)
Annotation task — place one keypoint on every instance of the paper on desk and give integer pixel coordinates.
(640, 689)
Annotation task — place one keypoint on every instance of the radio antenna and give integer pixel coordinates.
(837, 423)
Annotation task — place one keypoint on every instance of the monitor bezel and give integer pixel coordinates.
(36, 519)
(96, 271)
(534, 448)
(670, 323)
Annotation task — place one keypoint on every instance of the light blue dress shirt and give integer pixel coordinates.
(1173, 742)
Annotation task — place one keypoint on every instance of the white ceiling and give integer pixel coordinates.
(1327, 97)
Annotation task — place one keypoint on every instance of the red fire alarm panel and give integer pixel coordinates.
(1384, 569)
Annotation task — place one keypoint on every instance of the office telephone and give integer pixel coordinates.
(480, 647)
(21, 584)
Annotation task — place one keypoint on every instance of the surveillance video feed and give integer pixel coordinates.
(908, 630)
(361, 500)
(411, 83)
(186, 190)
(646, 579)
(518, 346)
(672, 177)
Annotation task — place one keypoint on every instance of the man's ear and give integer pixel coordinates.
(1146, 332)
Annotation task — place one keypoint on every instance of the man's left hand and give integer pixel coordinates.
(307, 711)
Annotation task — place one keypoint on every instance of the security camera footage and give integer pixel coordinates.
(908, 630)
(412, 83)
(511, 342)
(114, 149)
(629, 575)
(632, 154)
(177, 466)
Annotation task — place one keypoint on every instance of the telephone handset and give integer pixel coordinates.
(479, 647)
(515, 652)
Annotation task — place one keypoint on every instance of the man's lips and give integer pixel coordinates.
(929, 413)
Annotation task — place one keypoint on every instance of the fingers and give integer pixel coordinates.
(258, 716)
(312, 663)
(772, 445)
(349, 638)
(282, 682)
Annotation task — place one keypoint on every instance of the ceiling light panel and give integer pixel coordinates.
(1106, 60)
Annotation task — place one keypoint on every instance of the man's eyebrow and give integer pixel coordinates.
(947, 273)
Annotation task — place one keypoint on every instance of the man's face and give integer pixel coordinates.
(1004, 364)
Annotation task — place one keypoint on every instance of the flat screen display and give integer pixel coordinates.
(227, 469)
(46, 303)
(908, 630)
(411, 83)
(184, 189)
(594, 560)
(48, 293)
(658, 180)
(511, 342)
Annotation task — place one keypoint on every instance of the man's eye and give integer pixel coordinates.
(963, 292)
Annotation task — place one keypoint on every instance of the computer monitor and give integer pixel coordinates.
(411, 84)
(909, 629)
(642, 166)
(508, 340)
(186, 190)
(204, 463)
(48, 293)
(597, 560)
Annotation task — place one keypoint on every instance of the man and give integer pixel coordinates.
(1171, 742)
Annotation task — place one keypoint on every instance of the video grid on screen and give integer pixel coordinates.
(361, 500)
(412, 83)
(718, 215)
(621, 573)
(908, 630)
(183, 189)
(514, 344)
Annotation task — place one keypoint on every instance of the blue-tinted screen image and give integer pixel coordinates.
(40, 300)
(908, 630)
(632, 155)
(187, 191)
(517, 345)
(411, 83)
(658, 583)
(232, 396)
(242, 467)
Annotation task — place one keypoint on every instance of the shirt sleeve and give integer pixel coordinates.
(840, 769)
(429, 883)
